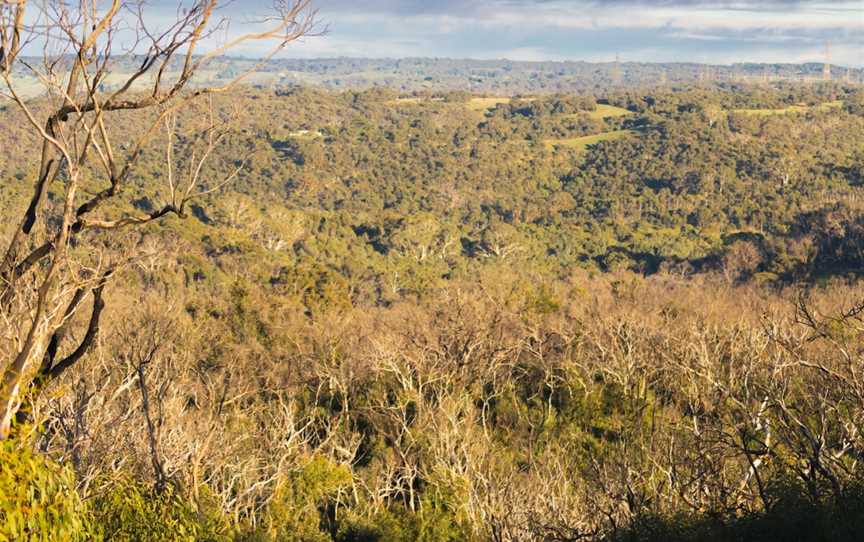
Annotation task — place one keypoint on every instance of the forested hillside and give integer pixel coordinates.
(443, 316)
(365, 198)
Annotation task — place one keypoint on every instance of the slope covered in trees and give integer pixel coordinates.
(377, 197)
(428, 317)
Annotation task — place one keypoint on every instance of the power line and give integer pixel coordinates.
(616, 71)
(826, 70)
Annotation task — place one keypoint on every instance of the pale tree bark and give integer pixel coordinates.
(53, 271)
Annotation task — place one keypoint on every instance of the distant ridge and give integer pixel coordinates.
(501, 76)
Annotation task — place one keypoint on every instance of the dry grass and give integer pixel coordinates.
(463, 373)
(414, 100)
(582, 143)
(602, 112)
(481, 105)
(790, 110)
(605, 111)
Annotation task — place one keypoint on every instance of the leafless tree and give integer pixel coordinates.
(52, 266)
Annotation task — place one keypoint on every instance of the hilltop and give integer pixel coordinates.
(502, 77)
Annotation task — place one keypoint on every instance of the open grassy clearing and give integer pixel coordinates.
(477, 105)
(306, 135)
(414, 100)
(399, 101)
(484, 104)
(115, 79)
(27, 87)
(31, 87)
(602, 112)
(605, 111)
(789, 110)
(582, 143)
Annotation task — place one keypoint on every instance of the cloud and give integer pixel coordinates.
(702, 30)
(437, 6)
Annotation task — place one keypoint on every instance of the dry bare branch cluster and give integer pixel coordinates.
(530, 427)
(53, 268)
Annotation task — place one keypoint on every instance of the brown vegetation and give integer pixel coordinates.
(54, 260)
(531, 416)
(411, 323)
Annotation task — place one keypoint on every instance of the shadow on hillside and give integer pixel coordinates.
(798, 521)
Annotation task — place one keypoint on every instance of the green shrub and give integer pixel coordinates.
(382, 527)
(437, 519)
(38, 500)
(131, 511)
(794, 517)
(299, 509)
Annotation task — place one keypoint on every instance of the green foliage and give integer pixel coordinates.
(434, 522)
(365, 198)
(299, 510)
(793, 518)
(38, 499)
(131, 511)
(394, 209)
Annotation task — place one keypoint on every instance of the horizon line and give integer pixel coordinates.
(504, 59)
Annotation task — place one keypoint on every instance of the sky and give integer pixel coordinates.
(716, 31)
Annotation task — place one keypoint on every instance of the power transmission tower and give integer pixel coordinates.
(826, 70)
(616, 71)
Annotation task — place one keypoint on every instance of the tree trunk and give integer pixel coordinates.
(16, 378)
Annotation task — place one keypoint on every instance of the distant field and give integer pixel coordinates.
(582, 143)
(306, 135)
(484, 104)
(605, 111)
(413, 100)
(28, 87)
(260, 78)
(789, 110)
(399, 101)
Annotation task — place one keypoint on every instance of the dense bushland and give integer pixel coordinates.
(492, 411)
(358, 197)
(409, 321)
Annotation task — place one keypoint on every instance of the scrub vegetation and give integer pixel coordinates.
(306, 315)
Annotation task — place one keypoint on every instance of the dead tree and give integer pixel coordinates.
(48, 272)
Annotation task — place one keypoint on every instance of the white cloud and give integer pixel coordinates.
(644, 30)
(750, 31)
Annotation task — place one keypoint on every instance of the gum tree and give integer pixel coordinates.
(53, 270)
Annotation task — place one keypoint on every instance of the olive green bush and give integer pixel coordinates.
(130, 511)
(796, 517)
(304, 501)
(38, 501)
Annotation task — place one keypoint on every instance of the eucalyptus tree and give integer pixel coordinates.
(53, 270)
